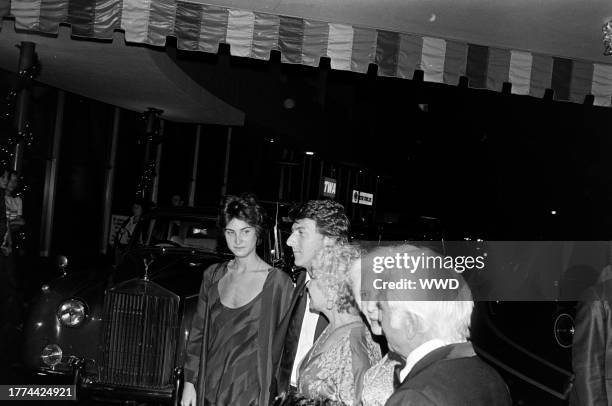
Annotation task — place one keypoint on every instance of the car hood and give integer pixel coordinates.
(176, 270)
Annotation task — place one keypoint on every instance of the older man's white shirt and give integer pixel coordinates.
(418, 354)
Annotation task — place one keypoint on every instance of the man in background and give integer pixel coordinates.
(10, 309)
(14, 213)
(177, 200)
(592, 345)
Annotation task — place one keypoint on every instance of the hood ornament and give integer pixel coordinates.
(146, 268)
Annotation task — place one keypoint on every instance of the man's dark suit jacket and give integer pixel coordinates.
(451, 376)
(290, 341)
(592, 349)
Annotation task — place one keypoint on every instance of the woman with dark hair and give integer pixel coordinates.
(230, 354)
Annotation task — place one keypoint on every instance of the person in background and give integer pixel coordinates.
(14, 204)
(10, 309)
(177, 200)
(124, 234)
(592, 345)
(5, 235)
(14, 211)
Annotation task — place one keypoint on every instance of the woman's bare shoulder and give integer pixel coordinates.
(214, 272)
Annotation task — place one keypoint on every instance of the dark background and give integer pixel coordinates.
(485, 163)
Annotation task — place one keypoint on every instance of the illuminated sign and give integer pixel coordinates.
(363, 198)
(328, 187)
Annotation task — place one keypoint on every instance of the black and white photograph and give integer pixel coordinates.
(306, 202)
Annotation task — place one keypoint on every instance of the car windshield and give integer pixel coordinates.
(173, 232)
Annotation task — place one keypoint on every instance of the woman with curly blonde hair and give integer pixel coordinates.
(333, 369)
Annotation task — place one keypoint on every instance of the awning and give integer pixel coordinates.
(301, 39)
(130, 76)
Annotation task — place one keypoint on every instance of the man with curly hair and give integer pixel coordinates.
(316, 224)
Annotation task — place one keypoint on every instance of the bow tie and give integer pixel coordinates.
(397, 369)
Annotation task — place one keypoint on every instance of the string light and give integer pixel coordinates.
(15, 137)
(145, 183)
(151, 136)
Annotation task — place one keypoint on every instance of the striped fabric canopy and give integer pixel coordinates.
(199, 27)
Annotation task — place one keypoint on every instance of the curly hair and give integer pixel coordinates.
(328, 215)
(245, 208)
(332, 264)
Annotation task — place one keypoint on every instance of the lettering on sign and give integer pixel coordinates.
(364, 198)
(328, 186)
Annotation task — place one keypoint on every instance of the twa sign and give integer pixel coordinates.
(328, 187)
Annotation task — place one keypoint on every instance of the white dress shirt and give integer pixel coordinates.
(418, 354)
(306, 340)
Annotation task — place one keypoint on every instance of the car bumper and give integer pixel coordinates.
(91, 388)
(99, 390)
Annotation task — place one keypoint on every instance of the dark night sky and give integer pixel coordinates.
(484, 162)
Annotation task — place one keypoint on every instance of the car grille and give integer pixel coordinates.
(141, 321)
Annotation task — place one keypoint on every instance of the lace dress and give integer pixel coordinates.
(378, 383)
(336, 374)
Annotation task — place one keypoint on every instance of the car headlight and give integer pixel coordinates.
(71, 312)
(51, 355)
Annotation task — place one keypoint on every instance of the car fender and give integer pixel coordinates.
(43, 327)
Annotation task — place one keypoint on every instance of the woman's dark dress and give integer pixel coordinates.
(232, 351)
(239, 350)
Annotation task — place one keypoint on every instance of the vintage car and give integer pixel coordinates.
(121, 332)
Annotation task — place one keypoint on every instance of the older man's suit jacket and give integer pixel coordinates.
(592, 348)
(452, 376)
